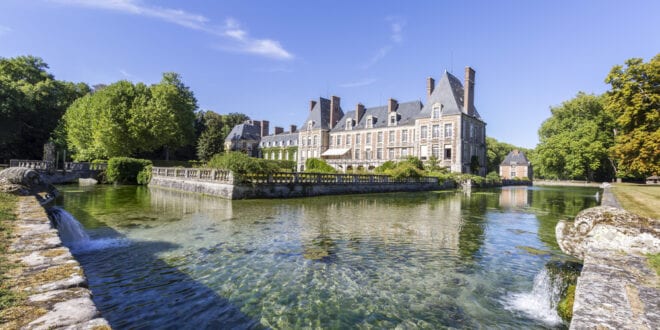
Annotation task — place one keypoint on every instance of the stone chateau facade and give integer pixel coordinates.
(447, 127)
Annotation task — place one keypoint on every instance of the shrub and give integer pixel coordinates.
(241, 164)
(405, 170)
(124, 170)
(318, 166)
(144, 176)
(388, 165)
(414, 161)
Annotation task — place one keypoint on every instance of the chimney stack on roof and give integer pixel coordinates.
(264, 128)
(468, 88)
(312, 103)
(430, 86)
(293, 128)
(279, 130)
(359, 112)
(334, 111)
(392, 104)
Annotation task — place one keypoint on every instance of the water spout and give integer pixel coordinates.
(541, 302)
(70, 230)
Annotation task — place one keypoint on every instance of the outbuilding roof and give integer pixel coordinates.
(245, 131)
(515, 157)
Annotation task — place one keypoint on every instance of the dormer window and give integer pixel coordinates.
(349, 124)
(435, 111)
(310, 124)
(392, 121)
(370, 121)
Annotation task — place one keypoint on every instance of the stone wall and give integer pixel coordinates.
(47, 273)
(289, 190)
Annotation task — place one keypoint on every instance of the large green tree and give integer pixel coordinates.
(124, 119)
(495, 153)
(32, 102)
(575, 140)
(634, 103)
(211, 139)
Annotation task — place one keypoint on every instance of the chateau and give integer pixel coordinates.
(447, 128)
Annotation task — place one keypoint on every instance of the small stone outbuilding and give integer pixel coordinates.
(516, 165)
(653, 179)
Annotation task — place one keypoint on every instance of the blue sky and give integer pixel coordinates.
(269, 58)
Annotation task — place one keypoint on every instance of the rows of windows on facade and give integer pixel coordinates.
(445, 127)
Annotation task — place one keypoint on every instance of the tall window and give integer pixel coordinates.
(392, 119)
(391, 136)
(316, 140)
(357, 139)
(423, 131)
(367, 154)
(349, 124)
(449, 132)
(435, 131)
(370, 122)
(380, 137)
(357, 153)
(447, 151)
(338, 140)
(309, 140)
(404, 135)
(368, 141)
(379, 153)
(435, 151)
(348, 140)
(390, 153)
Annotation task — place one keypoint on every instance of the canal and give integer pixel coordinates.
(163, 259)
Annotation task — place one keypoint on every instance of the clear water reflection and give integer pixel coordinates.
(416, 260)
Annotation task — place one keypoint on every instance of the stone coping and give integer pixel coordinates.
(47, 275)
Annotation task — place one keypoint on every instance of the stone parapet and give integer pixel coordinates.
(48, 274)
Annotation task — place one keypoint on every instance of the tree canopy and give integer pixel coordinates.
(31, 105)
(123, 119)
(575, 141)
(634, 104)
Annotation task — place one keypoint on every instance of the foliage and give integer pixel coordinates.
(433, 164)
(144, 176)
(565, 306)
(211, 140)
(386, 166)
(31, 104)
(493, 176)
(634, 104)
(125, 170)
(230, 120)
(654, 262)
(242, 164)
(8, 297)
(125, 119)
(317, 165)
(574, 141)
(474, 164)
(415, 162)
(283, 165)
(496, 152)
(405, 169)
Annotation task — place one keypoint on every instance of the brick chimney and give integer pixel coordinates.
(334, 111)
(279, 130)
(264, 128)
(468, 87)
(293, 128)
(255, 123)
(312, 103)
(392, 104)
(430, 86)
(359, 112)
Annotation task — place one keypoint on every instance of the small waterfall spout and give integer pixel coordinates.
(541, 302)
(70, 230)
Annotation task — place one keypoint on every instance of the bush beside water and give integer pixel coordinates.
(125, 170)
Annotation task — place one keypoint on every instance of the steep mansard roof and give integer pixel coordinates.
(515, 156)
(406, 113)
(245, 131)
(320, 115)
(283, 137)
(448, 92)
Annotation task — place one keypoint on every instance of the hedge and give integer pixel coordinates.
(125, 170)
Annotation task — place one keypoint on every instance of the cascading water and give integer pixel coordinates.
(541, 302)
(70, 230)
(73, 235)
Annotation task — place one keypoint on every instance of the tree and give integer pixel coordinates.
(211, 140)
(124, 119)
(31, 105)
(574, 141)
(495, 153)
(634, 104)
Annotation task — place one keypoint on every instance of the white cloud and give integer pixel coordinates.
(4, 30)
(379, 55)
(231, 30)
(396, 26)
(396, 36)
(126, 74)
(359, 83)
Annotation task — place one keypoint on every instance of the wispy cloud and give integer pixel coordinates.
(126, 74)
(231, 30)
(359, 83)
(396, 37)
(4, 30)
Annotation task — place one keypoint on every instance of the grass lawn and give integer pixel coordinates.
(7, 214)
(639, 198)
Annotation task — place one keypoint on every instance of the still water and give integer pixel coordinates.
(163, 259)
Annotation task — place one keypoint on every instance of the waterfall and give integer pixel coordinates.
(70, 230)
(541, 302)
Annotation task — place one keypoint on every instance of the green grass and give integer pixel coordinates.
(639, 198)
(654, 261)
(7, 214)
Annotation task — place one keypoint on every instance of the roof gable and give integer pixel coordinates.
(515, 157)
(449, 93)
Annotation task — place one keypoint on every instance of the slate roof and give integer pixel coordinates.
(515, 156)
(283, 137)
(406, 114)
(320, 114)
(245, 131)
(448, 92)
